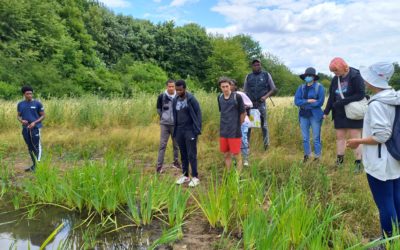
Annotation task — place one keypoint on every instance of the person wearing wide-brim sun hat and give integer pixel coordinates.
(379, 129)
(309, 98)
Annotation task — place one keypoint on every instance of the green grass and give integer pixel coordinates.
(101, 149)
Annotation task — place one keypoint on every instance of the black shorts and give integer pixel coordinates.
(342, 122)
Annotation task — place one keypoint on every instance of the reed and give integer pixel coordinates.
(177, 208)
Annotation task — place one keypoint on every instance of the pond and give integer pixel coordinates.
(29, 228)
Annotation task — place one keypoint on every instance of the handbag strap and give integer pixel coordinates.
(340, 88)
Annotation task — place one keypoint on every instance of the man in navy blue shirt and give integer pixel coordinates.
(31, 115)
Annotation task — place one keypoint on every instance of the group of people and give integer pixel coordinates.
(374, 137)
(180, 119)
(377, 127)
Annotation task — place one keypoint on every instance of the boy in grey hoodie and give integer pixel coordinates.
(164, 110)
(383, 170)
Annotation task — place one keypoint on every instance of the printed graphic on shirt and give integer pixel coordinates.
(344, 84)
(181, 104)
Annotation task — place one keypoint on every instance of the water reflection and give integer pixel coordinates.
(19, 232)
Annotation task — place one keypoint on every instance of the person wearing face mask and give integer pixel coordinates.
(351, 89)
(309, 98)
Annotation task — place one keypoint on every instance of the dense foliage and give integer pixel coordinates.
(73, 47)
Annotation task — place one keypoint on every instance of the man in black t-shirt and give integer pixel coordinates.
(233, 113)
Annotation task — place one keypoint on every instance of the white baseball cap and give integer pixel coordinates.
(378, 74)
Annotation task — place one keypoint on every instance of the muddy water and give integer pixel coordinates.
(19, 231)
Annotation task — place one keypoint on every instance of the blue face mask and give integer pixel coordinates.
(309, 79)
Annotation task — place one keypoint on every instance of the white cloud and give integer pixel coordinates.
(306, 33)
(179, 3)
(116, 3)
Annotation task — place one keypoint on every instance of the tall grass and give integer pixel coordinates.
(88, 129)
(6, 174)
(177, 208)
(271, 215)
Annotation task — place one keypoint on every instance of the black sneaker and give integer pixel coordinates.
(339, 160)
(357, 167)
(176, 164)
(266, 146)
(159, 169)
(30, 169)
(306, 158)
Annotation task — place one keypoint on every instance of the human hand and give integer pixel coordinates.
(32, 125)
(24, 122)
(353, 143)
(311, 100)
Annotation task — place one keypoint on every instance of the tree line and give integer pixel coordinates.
(75, 47)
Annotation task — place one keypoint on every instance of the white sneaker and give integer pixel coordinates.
(194, 182)
(246, 163)
(182, 180)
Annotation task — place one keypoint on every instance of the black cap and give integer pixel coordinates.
(255, 60)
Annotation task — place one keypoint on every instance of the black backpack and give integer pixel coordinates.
(393, 144)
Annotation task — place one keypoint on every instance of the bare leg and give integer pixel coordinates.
(228, 160)
(355, 134)
(341, 141)
(238, 158)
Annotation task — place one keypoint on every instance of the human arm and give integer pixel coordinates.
(272, 87)
(380, 124)
(159, 104)
(329, 104)
(241, 108)
(321, 97)
(41, 118)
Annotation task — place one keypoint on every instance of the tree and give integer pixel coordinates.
(284, 79)
(251, 47)
(395, 80)
(227, 59)
(192, 49)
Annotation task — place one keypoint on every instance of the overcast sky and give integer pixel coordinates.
(300, 33)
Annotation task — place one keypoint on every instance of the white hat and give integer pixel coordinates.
(378, 74)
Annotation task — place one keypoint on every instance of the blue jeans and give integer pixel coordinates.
(387, 198)
(245, 143)
(315, 124)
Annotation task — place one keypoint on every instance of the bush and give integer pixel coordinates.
(8, 91)
(146, 77)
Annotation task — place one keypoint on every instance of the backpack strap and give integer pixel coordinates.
(219, 101)
(222, 95)
(389, 142)
(317, 90)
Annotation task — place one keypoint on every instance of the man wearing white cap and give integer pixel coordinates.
(381, 138)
